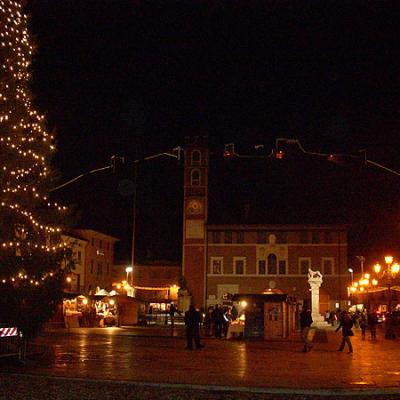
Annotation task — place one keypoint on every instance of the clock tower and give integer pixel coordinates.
(195, 193)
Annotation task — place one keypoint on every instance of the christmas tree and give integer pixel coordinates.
(31, 250)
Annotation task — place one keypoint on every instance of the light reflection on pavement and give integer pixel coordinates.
(122, 354)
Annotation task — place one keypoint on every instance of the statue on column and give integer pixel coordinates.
(315, 281)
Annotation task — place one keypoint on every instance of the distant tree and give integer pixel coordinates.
(31, 250)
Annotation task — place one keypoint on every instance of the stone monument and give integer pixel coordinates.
(315, 281)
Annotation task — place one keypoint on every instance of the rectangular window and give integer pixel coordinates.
(91, 266)
(240, 237)
(303, 237)
(261, 237)
(327, 266)
(79, 256)
(216, 265)
(315, 237)
(262, 267)
(216, 237)
(108, 269)
(282, 267)
(228, 237)
(304, 265)
(272, 267)
(239, 265)
(328, 237)
(92, 241)
(101, 244)
(108, 245)
(99, 268)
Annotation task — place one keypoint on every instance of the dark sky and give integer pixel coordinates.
(134, 78)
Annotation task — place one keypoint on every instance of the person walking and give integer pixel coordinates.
(305, 323)
(372, 322)
(217, 319)
(172, 314)
(192, 322)
(363, 324)
(346, 323)
(208, 321)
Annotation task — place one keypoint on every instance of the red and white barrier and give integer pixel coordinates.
(12, 331)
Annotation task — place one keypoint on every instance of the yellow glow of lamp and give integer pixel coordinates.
(69, 279)
(361, 288)
(377, 268)
(353, 289)
(85, 301)
(243, 303)
(356, 285)
(388, 259)
(112, 302)
(367, 276)
(395, 268)
(374, 282)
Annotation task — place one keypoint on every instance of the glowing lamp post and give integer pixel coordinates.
(388, 274)
(128, 270)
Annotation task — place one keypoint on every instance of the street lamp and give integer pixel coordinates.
(388, 274)
(362, 287)
(362, 261)
(352, 275)
(128, 270)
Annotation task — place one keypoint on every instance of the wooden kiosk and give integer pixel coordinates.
(269, 316)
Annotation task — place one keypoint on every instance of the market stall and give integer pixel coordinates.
(268, 316)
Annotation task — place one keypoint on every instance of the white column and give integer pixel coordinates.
(315, 281)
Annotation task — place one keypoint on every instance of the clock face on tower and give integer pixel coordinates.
(194, 207)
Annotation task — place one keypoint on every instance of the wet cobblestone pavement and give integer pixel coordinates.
(225, 369)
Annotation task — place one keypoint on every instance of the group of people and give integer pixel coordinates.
(216, 323)
(345, 321)
(217, 320)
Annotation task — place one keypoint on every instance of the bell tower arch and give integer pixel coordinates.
(195, 210)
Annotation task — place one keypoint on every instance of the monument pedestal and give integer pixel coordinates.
(315, 281)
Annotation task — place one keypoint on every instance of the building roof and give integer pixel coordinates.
(94, 233)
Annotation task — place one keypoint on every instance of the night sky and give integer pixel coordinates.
(134, 78)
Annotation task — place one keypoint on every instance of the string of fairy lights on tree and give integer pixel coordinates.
(26, 149)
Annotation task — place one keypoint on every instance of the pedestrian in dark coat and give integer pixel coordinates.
(305, 323)
(363, 324)
(217, 319)
(192, 322)
(372, 322)
(346, 323)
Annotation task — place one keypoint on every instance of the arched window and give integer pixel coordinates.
(196, 157)
(195, 177)
(272, 264)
